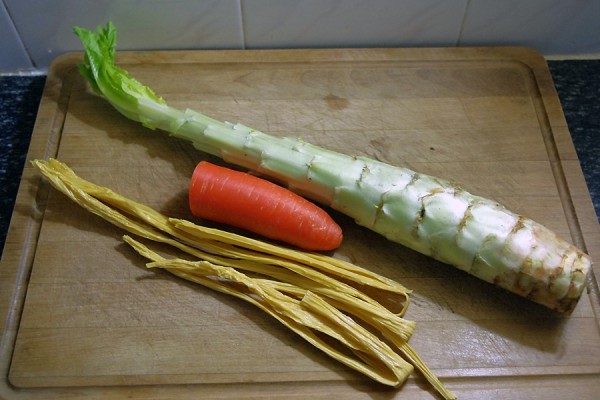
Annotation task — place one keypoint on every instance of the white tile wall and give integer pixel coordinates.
(34, 32)
(549, 26)
(12, 52)
(141, 24)
(351, 23)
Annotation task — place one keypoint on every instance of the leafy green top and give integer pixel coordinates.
(106, 78)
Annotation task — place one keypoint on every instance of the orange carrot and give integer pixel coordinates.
(257, 205)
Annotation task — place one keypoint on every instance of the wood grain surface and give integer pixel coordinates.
(83, 318)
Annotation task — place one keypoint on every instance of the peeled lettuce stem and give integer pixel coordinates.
(427, 214)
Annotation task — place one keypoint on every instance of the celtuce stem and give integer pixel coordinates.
(425, 213)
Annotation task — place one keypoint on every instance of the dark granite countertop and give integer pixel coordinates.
(577, 83)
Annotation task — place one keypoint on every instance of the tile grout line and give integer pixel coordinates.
(21, 42)
(241, 24)
(462, 23)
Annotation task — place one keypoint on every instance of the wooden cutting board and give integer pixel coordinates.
(82, 317)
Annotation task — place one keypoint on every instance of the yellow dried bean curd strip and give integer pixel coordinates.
(368, 310)
(148, 223)
(376, 316)
(302, 270)
(393, 330)
(371, 347)
(319, 261)
(382, 365)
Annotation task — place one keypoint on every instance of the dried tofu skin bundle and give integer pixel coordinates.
(320, 298)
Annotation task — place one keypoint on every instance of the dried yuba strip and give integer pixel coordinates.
(427, 214)
(316, 296)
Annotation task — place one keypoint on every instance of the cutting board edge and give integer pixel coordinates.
(43, 135)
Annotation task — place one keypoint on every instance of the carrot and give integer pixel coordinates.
(245, 201)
